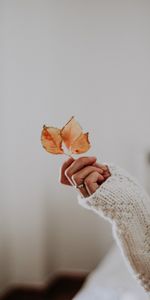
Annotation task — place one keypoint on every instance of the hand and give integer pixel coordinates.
(86, 171)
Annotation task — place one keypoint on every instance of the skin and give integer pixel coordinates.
(84, 170)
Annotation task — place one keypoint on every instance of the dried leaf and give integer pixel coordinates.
(81, 144)
(52, 140)
(70, 132)
(71, 135)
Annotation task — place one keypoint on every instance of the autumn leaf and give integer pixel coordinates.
(71, 135)
(52, 140)
(81, 144)
(70, 132)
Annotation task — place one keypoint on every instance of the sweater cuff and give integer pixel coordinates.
(89, 202)
(106, 199)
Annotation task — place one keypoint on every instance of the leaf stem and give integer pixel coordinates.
(68, 154)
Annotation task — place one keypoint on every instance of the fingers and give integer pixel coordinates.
(106, 172)
(79, 177)
(62, 177)
(103, 167)
(75, 172)
(71, 166)
(83, 191)
(92, 182)
(77, 165)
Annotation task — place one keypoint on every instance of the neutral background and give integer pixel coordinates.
(90, 59)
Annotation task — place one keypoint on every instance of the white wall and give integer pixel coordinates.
(62, 58)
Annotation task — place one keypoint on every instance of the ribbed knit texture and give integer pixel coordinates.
(126, 205)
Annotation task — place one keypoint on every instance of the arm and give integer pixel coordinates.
(126, 205)
(121, 200)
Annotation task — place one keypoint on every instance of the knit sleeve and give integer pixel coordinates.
(126, 205)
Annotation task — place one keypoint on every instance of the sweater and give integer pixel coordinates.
(123, 202)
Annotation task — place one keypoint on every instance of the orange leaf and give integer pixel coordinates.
(52, 140)
(70, 132)
(81, 144)
(71, 135)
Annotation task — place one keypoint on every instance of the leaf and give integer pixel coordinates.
(70, 132)
(81, 144)
(52, 140)
(71, 135)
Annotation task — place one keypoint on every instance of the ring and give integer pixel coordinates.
(79, 186)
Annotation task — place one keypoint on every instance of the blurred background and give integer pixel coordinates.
(90, 59)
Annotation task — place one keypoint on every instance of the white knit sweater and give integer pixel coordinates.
(126, 205)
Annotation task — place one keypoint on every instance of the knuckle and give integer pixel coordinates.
(87, 181)
(75, 179)
(90, 169)
(95, 169)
